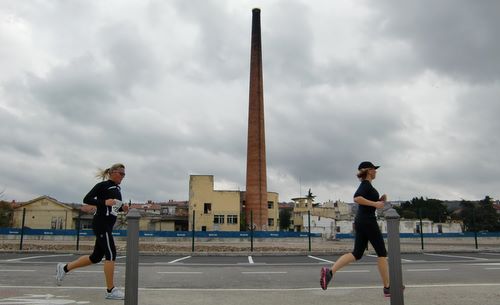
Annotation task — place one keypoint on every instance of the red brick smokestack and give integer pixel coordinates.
(256, 187)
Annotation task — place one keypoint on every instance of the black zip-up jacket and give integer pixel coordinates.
(103, 219)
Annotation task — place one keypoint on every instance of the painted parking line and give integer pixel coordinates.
(264, 272)
(179, 259)
(320, 259)
(250, 260)
(403, 259)
(354, 271)
(179, 272)
(468, 285)
(491, 268)
(91, 271)
(34, 257)
(426, 270)
(18, 270)
(456, 256)
(487, 253)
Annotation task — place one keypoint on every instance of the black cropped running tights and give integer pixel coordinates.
(367, 230)
(104, 246)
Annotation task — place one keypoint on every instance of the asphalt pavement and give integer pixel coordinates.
(430, 278)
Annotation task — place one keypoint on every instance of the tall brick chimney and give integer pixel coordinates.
(256, 184)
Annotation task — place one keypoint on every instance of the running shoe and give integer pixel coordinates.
(387, 291)
(325, 277)
(115, 294)
(60, 273)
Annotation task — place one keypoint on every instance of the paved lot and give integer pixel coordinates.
(430, 278)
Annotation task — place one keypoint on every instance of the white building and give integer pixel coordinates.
(330, 227)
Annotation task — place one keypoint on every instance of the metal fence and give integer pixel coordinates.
(66, 228)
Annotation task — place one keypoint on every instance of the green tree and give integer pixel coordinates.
(5, 214)
(432, 209)
(243, 221)
(285, 219)
(479, 215)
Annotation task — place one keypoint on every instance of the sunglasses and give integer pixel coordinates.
(121, 174)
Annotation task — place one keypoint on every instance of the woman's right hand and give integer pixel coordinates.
(109, 202)
(379, 204)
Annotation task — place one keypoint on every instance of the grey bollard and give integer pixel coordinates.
(132, 261)
(395, 273)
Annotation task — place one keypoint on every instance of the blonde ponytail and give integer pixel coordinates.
(104, 173)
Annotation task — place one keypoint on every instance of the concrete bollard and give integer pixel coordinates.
(132, 261)
(395, 273)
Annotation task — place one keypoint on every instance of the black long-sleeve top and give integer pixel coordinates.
(97, 197)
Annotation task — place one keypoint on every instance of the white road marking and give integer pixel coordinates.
(457, 256)
(250, 260)
(487, 253)
(264, 272)
(353, 271)
(47, 299)
(179, 272)
(320, 259)
(486, 264)
(18, 270)
(403, 259)
(256, 289)
(33, 257)
(91, 271)
(179, 259)
(491, 268)
(427, 270)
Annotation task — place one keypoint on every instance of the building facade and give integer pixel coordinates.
(223, 210)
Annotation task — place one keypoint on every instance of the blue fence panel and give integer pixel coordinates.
(234, 234)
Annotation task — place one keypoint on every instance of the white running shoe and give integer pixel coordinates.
(115, 294)
(60, 273)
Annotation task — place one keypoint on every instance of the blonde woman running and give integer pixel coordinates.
(107, 198)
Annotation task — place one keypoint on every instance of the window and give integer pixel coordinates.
(338, 229)
(270, 205)
(207, 208)
(417, 229)
(440, 228)
(219, 219)
(204, 228)
(270, 222)
(56, 223)
(86, 225)
(53, 223)
(232, 219)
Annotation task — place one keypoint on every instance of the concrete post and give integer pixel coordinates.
(395, 273)
(132, 262)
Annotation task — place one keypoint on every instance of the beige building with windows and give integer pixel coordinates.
(46, 212)
(221, 210)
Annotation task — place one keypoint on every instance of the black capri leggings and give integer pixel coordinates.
(368, 230)
(104, 247)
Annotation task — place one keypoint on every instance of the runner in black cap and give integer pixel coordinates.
(366, 227)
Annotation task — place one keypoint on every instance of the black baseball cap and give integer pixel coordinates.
(367, 164)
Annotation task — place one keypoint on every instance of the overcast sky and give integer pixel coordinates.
(162, 86)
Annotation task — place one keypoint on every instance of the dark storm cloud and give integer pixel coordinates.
(163, 87)
(456, 38)
(220, 42)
